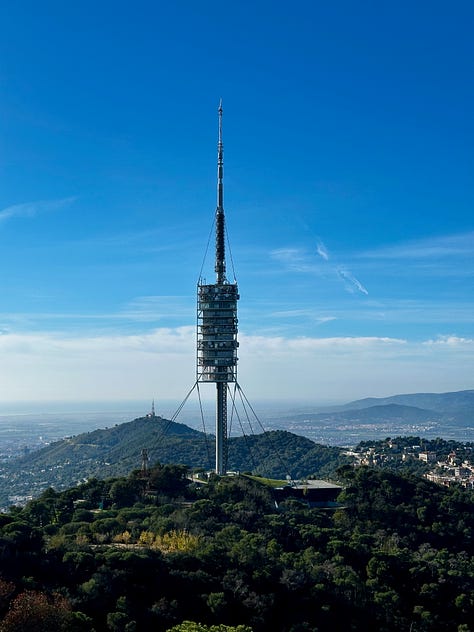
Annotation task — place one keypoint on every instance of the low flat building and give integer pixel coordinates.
(316, 493)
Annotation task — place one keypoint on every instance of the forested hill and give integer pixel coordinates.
(161, 553)
(117, 451)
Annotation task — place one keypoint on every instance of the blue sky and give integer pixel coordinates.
(348, 135)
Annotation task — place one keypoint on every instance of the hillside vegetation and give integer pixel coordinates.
(116, 451)
(136, 554)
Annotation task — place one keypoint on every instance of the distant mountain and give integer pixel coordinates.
(386, 412)
(449, 415)
(117, 451)
(456, 406)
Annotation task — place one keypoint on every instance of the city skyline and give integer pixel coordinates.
(348, 143)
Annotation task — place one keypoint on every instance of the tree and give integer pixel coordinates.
(125, 492)
(169, 479)
(117, 621)
(6, 591)
(34, 612)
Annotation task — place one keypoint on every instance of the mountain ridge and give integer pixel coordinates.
(388, 412)
(450, 401)
(449, 407)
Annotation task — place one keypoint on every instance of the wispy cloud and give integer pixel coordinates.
(287, 254)
(307, 344)
(31, 209)
(302, 313)
(457, 245)
(322, 250)
(290, 313)
(154, 308)
(295, 260)
(352, 283)
(143, 241)
(298, 260)
(321, 320)
(454, 342)
(143, 309)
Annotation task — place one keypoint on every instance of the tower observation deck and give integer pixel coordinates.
(217, 322)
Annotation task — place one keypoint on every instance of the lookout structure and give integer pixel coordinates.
(216, 358)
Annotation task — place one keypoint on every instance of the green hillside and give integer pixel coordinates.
(117, 451)
(137, 553)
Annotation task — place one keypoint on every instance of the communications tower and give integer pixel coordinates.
(217, 322)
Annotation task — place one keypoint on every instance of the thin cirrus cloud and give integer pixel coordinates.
(351, 283)
(144, 309)
(440, 257)
(322, 250)
(303, 313)
(294, 260)
(297, 260)
(456, 245)
(31, 209)
(153, 308)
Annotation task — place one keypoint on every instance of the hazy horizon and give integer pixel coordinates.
(37, 425)
(144, 407)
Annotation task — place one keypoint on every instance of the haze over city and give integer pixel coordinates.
(348, 143)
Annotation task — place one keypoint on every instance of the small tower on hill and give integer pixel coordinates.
(151, 414)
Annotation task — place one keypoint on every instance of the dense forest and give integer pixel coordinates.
(161, 552)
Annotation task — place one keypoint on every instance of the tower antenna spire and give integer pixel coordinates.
(220, 218)
(220, 163)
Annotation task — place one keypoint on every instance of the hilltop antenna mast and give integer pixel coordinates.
(217, 322)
